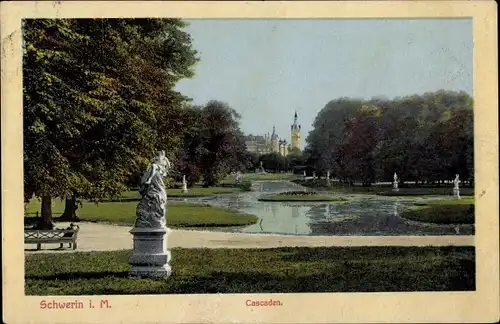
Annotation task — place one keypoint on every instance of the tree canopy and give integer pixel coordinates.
(99, 100)
(425, 137)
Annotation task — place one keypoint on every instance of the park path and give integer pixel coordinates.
(103, 237)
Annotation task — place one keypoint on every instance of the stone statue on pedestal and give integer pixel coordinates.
(395, 183)
(150, 257)
(184, 184)
(456, 189)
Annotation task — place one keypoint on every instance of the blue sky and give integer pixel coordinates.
(268, 69)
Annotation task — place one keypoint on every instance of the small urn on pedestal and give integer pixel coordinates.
(150, 257)
(395, 183)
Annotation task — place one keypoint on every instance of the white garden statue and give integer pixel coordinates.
(184, 184)
(150, 257)
(395, 183)
(456, 188)
(151, 209)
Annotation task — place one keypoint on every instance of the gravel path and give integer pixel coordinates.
(101, 237)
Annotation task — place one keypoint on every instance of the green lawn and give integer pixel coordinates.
(300, 196)
(386, 190)
(178, 214)
(193, 192)
(442, 211)
(280, 270)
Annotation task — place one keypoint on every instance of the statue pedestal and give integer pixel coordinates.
(150, 257)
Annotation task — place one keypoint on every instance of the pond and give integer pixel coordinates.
(362, 215)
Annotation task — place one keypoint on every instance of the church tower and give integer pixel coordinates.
(295, 134)
(274, 141)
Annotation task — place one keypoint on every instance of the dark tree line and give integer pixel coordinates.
(424, 138)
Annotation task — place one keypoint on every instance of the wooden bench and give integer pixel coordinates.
(51, 236)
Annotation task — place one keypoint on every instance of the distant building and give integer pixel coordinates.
(271, 143)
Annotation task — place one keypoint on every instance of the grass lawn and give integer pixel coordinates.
(178, 215)
(280, 270)
(452, 201)
(442, 211)
(261, 177)
(386, 190)
(300, 196)
(193, 192)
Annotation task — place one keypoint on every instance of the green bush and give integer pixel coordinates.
(246, 186)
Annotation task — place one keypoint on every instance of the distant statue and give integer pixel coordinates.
(238, 177)
(151, 209)
(328, 178)
(314, 175)
(262, 167)
(184, 184)
(456, 189)
(395, 183)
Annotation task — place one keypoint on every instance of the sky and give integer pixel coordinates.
(268, 69)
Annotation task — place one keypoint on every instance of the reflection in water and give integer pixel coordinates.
(362, 215)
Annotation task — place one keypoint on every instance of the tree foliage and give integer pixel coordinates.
(425, 137)
(99, 99)
(213, 143)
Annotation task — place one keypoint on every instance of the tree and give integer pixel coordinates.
(213, 142)
(359, 145)
(323, 140)
(99, 100)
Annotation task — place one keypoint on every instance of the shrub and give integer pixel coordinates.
(246, 186)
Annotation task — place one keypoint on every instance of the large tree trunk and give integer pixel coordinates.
(70, 208)
(45, 222)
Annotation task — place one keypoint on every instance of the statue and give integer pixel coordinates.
(456, 189)
(328, 178)
(184, 184)
(238, 177)
(151, 209)
(395, 183)
(150, 257)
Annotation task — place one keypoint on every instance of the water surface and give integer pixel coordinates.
(362, 215)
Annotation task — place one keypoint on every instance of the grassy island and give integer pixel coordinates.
(442, 211)
(300, 196)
